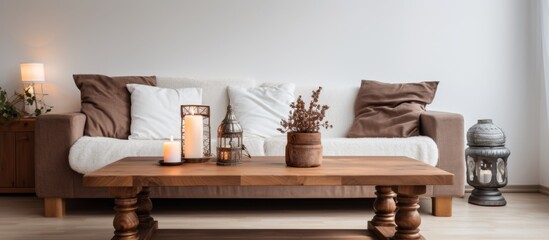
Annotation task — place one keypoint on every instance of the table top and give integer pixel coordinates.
(270, 171)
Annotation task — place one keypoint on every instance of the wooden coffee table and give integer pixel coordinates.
(130, 178)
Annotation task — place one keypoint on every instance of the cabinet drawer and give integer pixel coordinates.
(20, 125)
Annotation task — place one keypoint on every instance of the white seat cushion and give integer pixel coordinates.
(88, 154)
(421, 148)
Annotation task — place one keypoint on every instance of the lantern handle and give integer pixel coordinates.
(246, 150)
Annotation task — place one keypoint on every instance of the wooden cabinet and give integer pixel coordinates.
(17, 156)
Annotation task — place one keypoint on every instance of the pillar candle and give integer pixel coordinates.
(172, 151)
(193, 136)
(485, 176)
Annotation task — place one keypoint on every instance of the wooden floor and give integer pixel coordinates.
(525, 217)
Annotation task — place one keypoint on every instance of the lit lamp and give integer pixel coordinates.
(32, 73)
(195, 133)
(486, 159)
(229, 140)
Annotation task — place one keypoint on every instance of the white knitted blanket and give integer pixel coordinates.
(91, 153)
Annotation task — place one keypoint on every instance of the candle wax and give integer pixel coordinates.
(172, 151)
(193, 136)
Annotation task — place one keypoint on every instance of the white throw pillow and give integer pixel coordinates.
(260, 109)
(156, 112)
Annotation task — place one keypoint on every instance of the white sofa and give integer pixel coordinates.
(83, 157)
(441, 144)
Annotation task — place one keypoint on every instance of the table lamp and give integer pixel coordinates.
(32, 73)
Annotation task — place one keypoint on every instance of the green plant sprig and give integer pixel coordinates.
(9, 110)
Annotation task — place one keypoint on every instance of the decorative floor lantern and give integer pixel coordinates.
(486, 159)
(229, 140)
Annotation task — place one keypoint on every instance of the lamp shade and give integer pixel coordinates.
(32, 72)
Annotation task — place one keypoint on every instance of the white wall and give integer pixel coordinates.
(479, 50)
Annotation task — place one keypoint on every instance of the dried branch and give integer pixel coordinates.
(306, 120)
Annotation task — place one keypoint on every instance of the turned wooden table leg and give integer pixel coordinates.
(125, 221)
(384, 207)
(407, 217)
(144, 208)
(383, 224)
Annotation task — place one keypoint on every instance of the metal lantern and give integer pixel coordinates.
(196, 111)
(486, 160)
(229, 140)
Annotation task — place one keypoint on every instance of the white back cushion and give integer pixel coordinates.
(156, 112)
(341, 100)
(214, 93)
(260, 109)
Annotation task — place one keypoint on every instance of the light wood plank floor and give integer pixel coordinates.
(525, 217)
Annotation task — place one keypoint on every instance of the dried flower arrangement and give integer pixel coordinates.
(302, 120)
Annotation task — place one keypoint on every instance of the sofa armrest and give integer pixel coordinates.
(54, 136)
(446, 129)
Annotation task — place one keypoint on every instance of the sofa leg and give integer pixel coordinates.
(54, 207)
(442, 206)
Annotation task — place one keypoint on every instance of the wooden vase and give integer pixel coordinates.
(303, 150)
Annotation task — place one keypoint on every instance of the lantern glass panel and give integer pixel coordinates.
(501, 171)
(470, 168)
(478, 169)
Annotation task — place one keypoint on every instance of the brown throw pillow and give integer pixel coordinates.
(106, 103)
(390, 109)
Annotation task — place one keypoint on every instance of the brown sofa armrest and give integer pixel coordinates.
(446, 129)
(54, 136)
